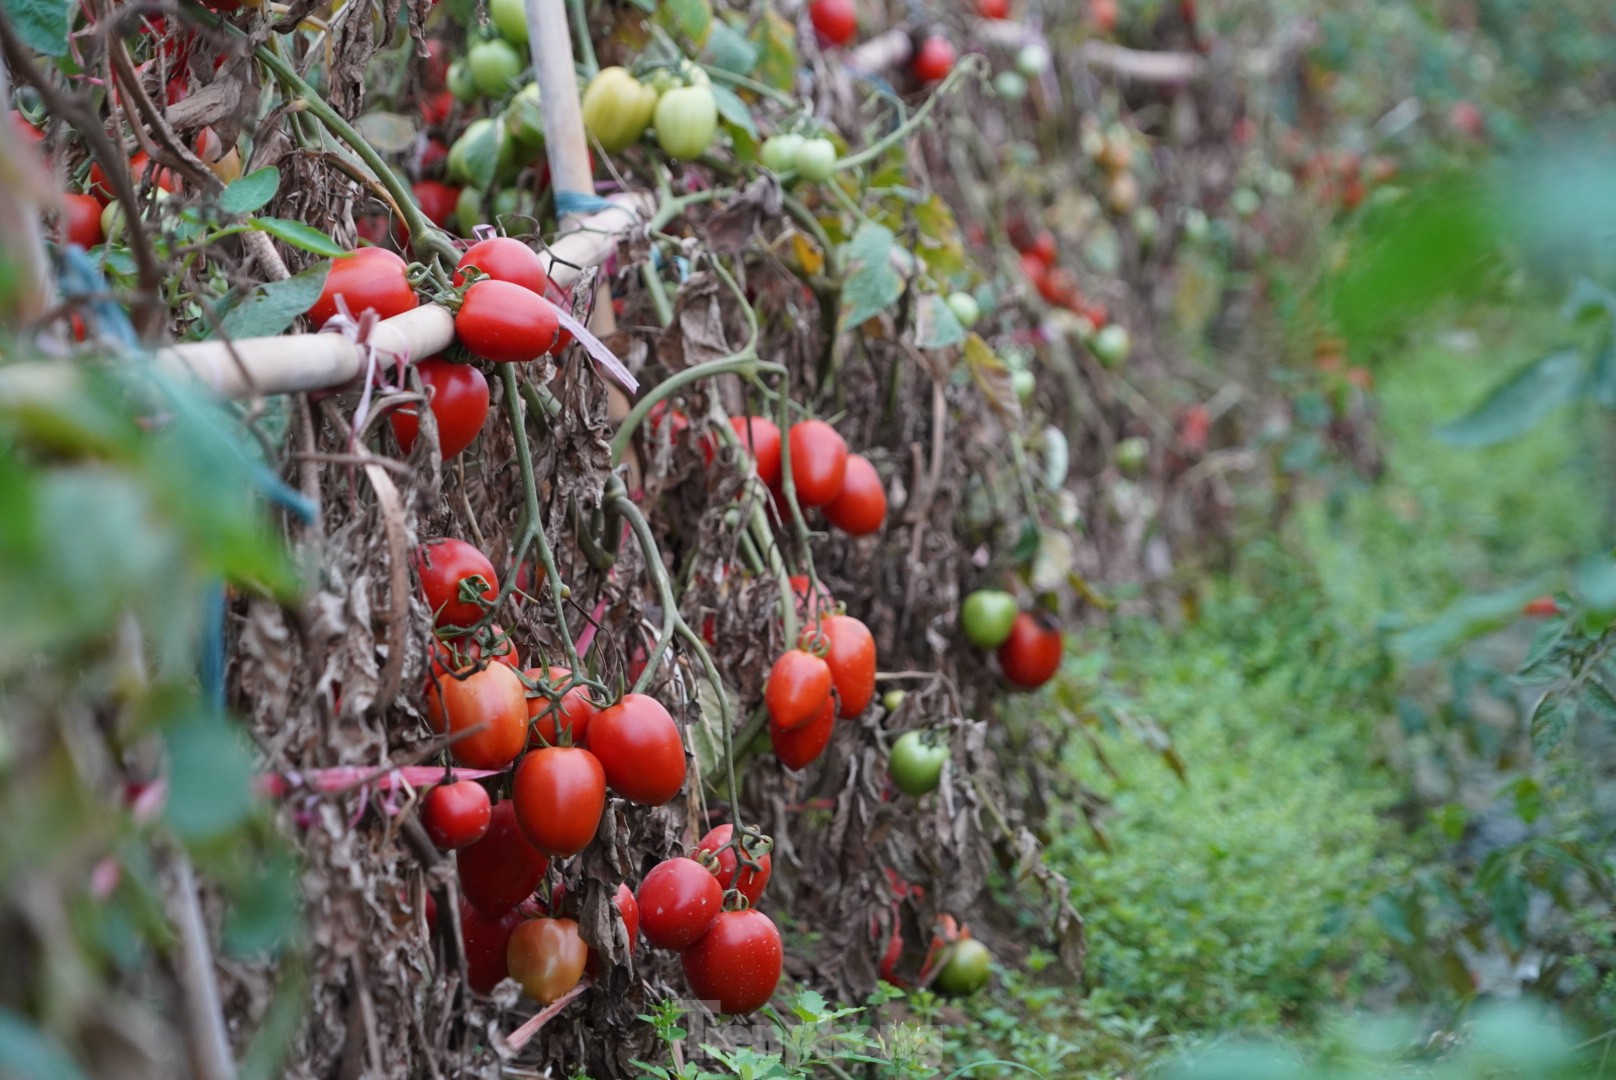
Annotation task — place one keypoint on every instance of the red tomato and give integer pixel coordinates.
(760, 438)
(436, 107)
(629, 908)
(81, 220)
(547, 956)
(368, 279)
(1103, 14)
(502, 869)
(639, 746)
(1541, 608)
(678, 901)
(444, 567)
(1042, 247)
(835, 20)
(861, 507)
(504, 259)
(731, 873)
(459, 653)
(1060, 287)
(993, 9)
(678, 423)
(437, 201)
(101, 189)
(28, 131)
(797, 748)
(736, 963)
(554, 718)
(485, 941)
(491, 703)
(799, 684)
(818, 462)
(435, 65)
(823, 600)
(1032, 652)
(456, 814)
(934, 59)
(458, 397)
(851, 660)
(433, 154)
(560, 793)
(503, 322)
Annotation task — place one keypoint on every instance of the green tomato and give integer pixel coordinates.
(779, 152)
(686, 119)
(1010, 85)
(965, 308)
(1024, 383)
(1132, 452)
(1245, 201)
(816, 159)
(1112, 345)
(617, 108)
(524, 119)
(494, 66)
(967, 968)
(662, 80)
(1032, 61)
(1147, 223)
(510, 19)
(469, 210)
(892, 700)
(1196, 227)
(460, 82)
(987, 616)
(917, 763)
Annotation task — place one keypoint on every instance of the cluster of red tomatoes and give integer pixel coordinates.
(1055, 283)
(830, 673)
(933, 56)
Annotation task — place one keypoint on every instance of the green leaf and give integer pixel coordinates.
(992, 377)
(730, 50)
(733, 109)
(210, 778)
(1514, 408)
(263, 907)
(251, 192)
(482, 151)
(1602, 381)
(1528, 799)
(1469, 617)
(872, 284)
(272, 306)
(693, 19)
(1599, 700)
(1551, 720)
(298, 235)
(1389, 913)
(1508, 898)
(936, 325)
(28, 1053)
(42, 24)
(776, 39)
(1589, 299)
(1595, 583)
(386, 132)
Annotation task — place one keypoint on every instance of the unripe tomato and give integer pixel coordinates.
(437, 201)
(816, 160)
(760, 438)
(732, 874)
(934, 59)
(966, 969)
(987, 616)
(443, 566)
(554, 717)
(917, 763)
(861, 506)
(1111, 345)
(502, 869)
(779, 152)
(686, 119)
(547, 956)
(617, 107)
(485, 940)
(456, 814)
(457, 394)
(461, 85)
(492, 704)
(678, 901)
(494, 66)
(560, 794)
(1031, 655)
(799, 684)
(737, 963)
(797, 748)
(510, 19)
(834, 20)
(81, 220)
(965, 308)
(640, 749)
(818, 462)
(851, 659)
(368, 279)
(506, 323)
(504, 259)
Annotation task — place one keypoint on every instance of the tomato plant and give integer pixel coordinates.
(450, 570)
(557, 718)
(737, 963)
(798, 684)
(732, 874)
(502, 869)
(368, 279)
(504, 259)
(1031, 655)
(506, 323)
(547, 956)
(640, 748)
(456, 814)
(560, 794)
(484, 711)
(860, 508)
(678, 902)
(850, 656)
(818, 461)
(457, 394)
